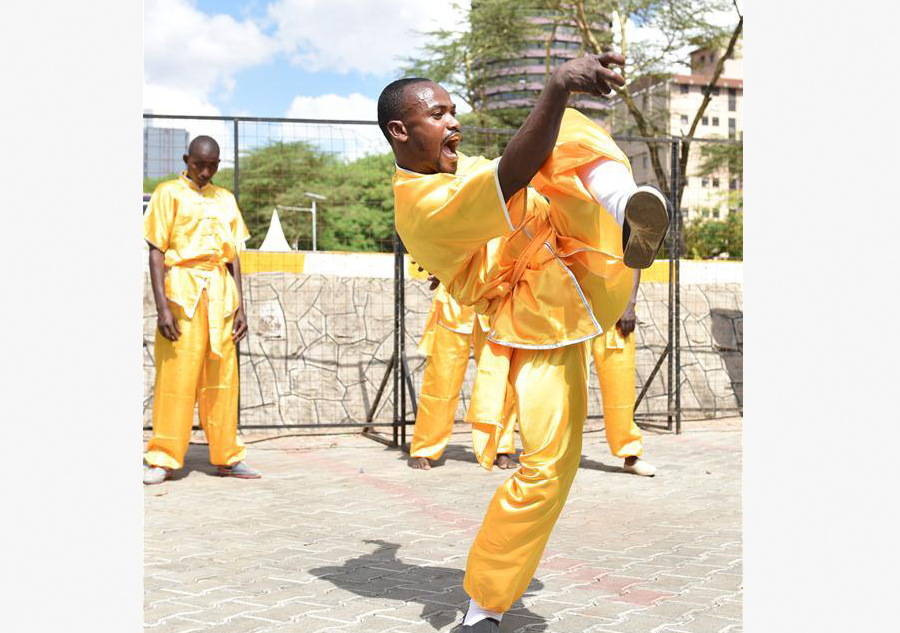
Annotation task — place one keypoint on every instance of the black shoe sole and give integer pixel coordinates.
(647, 222)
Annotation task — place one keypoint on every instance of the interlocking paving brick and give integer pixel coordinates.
(347, 538)
(176, 625)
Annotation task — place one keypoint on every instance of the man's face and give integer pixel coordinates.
(202, 164)
(432, 130)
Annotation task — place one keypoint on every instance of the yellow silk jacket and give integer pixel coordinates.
(199, 231)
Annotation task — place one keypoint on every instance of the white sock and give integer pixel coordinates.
(476, 614)
(610, 184)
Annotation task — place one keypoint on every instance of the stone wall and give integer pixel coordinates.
(319, 344)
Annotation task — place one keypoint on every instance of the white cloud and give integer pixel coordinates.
(190, 55)
(348, 141)
(369, 36)
(332, 106)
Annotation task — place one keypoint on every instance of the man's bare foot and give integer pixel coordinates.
(419, 463)
(506, 462)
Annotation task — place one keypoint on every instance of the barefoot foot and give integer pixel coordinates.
(419, 463)
(506, 462)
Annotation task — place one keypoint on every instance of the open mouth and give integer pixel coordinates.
(448, 148)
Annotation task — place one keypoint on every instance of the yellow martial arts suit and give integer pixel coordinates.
(553, 280)
(199, 232)
(614, 364)
(450, 332)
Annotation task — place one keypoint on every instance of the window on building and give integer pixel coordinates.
(732, 129)
(704, 120)
(704, 182)
(703, 59)
(716, 214)
(684, 119)
(715, 183)
(733, 184)
(732, 99)
(715, 91)
(684, 89)
(716, 121)
(644, 162)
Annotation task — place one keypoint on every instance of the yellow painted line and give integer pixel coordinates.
(657, 273)
(262, 262)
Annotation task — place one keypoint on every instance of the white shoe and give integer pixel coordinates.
(155, 475)
(646, 222)
(640, 467)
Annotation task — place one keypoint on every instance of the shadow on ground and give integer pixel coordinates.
(459, 453)
(196, 460)
(438, 589)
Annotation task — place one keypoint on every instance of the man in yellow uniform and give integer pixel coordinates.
(548, 287)
(614, 353)
(450, 331)
(195, 230)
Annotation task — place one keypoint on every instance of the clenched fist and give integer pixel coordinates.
(591, 74)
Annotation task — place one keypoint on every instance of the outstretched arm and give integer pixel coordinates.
(530, 147)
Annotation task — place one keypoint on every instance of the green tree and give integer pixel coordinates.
(358, 214)
(707, 239)
(727, 160)
(152, 183)
(268, 172)
(680, 26)
(455, 58)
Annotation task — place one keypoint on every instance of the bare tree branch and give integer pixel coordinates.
(707, 97)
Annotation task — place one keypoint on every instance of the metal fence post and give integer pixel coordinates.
(398, 264)
(237, 348)
(678, 229)
(673, 203)
(402, 367)
(237, 187)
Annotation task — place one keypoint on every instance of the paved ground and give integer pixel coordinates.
(340, 535)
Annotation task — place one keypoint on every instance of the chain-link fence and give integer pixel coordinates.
(330, 305)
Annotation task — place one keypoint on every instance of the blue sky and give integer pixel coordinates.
(303, 58)
(268, 89)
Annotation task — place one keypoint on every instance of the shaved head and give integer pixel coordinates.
(391, 104)
(202, 160)
(203, 145)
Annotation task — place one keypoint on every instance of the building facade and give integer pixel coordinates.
(164, 149)
(517, 82)
(673, 105)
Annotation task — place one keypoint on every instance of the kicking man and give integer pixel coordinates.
(548, 287)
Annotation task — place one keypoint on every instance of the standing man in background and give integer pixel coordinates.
(195, 231)
(614, 353)
(450, 332)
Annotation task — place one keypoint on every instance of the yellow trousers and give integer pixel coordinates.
(550, 389)
(614, 364)
(189, 373)
(445, 371)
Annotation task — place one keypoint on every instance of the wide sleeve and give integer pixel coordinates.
(443, 219)
(159, 218)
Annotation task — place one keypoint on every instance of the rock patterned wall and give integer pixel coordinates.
(318, 347)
